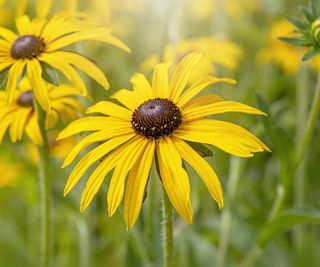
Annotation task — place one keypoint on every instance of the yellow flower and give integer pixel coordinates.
(286, 56)
(156, 121)
(216, 51)
(40, 41)
(21, 116)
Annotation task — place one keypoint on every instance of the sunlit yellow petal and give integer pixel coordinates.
(109, 39)
(129, 99)
(142, 87)
(18, 124)
(43, 7)
(111, 109)
(198, 86)
(33, 130)
(5, 122)
(224, 135)
(192, 113)
(174, 178)
(40, 90)
(160, 80)
(116, 187)
(7, 34)
(136, 185)
(93, 156)
(203, 100)
(204, 170)
(182, 73)
(13, 77)
(89, 124)
(23, 25)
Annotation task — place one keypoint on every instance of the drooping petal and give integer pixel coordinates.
(13, 76)
(95, 137)
(96, 178)
(160, 80)
(182, 73)
(33, 130)
(124, 165)
(5, 122)
(201, 166)
(39, 87)
(7, 34)
(198, 86)
(192, 113)
(203, 100)
(18, 124)
(93, 156)
(85, 65)
(109, 39)
(66, 69)
(229, 137)
(111, 109)
(174, 178)
(136, 185)
(96, 123)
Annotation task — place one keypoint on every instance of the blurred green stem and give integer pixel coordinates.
(83, 242)
(168, 260)
(234, 170)
(44, 185)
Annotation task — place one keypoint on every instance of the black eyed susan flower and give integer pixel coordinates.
(20, 116)
(40, 41)
(157, 120)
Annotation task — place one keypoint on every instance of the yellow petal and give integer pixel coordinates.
(198, 86)
(62, 90)
(96, 137)
(6, 64)
(136, 185)
(13, 76)
(128, 98)
(93, 156)
(66, 69)
(33, 130)
(5, 122)
(8, 35)
(111, 109)
(85, 65)
(182, 73)
(142, 87)
(43, 7)
(39, 87)
(192, 113)
(204, 170)
(160, 80)
(116, 187)
(18, 124)
(109, 39)
(174, 178)
(203, 100)
(96, 178)
(89, 124)
(229, 137)
(23, 25)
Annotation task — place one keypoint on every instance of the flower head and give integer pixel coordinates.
(21, 115)
(41, 41)
(157, 120)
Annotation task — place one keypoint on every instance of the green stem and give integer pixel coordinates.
(168, 253)
(44, 186)
(226, 217)
(302, 147)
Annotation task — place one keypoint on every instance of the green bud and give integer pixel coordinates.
(315, 30)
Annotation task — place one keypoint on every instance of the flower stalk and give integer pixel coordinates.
(168, 246)
(44, 187)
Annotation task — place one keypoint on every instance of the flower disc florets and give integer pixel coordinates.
(156, 118)
(26, 99)
(27, 47)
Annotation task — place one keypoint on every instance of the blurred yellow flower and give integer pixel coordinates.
(153, 121)
(286, 56)
(21, 116)
(9, 173)
(215, 51)
(41, 40)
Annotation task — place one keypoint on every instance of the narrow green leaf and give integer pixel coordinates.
(50, 74)
(310, 54)
(202, 150)
(296, 41)
(299, 24)
(285, 221)
(308, 14)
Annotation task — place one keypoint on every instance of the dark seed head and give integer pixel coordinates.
(27, 47)
(156, 118)
(26, 99)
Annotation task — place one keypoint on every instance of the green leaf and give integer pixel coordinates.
(285, 221)
(299, 24)
(310, 54)
(308, 14)
(296, 41)
(50, 74)
(202, 150)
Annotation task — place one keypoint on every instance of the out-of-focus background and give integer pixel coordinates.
(239, 40)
